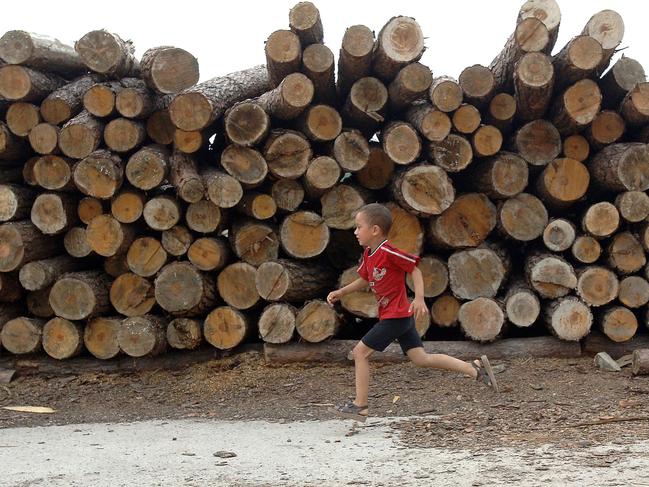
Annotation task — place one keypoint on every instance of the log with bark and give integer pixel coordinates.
(40, 52)
(22, 118)
(400, 42)
(355, 58)
(209, 254)
(168, 69)
(304, 20)
(184, 333)
(316, 321)
(530, 35)
(22, 335)
(226, 327)
(100, 337)
(108, 54)
(466, 222)
(254, 242)
(618, 323)
(20, 83)
(286, 280)
(197, 107)
(277, 323)
(62, 339)
(22, 242)
(283, 55)
(80, 295)
(143, 336)
(182, 290)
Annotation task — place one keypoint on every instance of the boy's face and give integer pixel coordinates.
(366, 233)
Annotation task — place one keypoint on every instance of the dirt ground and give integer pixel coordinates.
(544, 401)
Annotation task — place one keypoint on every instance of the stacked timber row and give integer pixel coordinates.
(142, 210)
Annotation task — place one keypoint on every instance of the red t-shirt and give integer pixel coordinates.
(385, 269)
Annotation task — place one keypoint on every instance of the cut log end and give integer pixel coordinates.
(225, 327)
(277, 323)
(618, 323)
(100, 337)
(62, 338)
(184, 334)
(141, 336)
(569, 318)
(481, 319)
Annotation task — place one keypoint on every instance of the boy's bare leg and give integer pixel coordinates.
(362, 369)
(439, 361)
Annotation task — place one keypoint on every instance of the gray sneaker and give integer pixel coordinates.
(351, 411)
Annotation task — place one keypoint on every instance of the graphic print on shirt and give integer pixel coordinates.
(378, 274)
(384, 301)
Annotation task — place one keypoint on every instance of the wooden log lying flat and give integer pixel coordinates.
(182, 290)
(40, 52)
(596, 342)
(19, 83)
(169, 69)
(478, 84)
(62, 339)
(100, 337)
(45, 366)
(184, 333)
(22, 335)
(445, 94)
(198, 106)
(141, 336)
(22, 118)
(339, 351)
(226, 327)
(277, 323)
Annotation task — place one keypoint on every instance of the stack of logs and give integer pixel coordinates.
(144, 210)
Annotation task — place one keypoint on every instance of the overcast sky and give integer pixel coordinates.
(228, 36)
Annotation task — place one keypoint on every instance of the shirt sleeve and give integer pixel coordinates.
(362, 267)
(401, 260)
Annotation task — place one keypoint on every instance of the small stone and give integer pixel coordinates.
(224, 454)
(499, 368)
(603, 361)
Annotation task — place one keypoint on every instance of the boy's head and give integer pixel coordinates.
(373, 222)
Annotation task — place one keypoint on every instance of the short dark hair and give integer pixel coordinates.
(379, 215)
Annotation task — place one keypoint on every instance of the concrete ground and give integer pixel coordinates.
(307, 453)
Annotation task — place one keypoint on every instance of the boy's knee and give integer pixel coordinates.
(418, 357)
(361, 352)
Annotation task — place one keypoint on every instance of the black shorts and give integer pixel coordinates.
(386, 331)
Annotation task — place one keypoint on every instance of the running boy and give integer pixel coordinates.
(384, 267)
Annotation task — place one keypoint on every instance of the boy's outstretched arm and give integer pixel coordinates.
(418, 305)
(356, 285)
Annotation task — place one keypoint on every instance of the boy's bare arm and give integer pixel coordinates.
(356, 285)
(418, 305)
